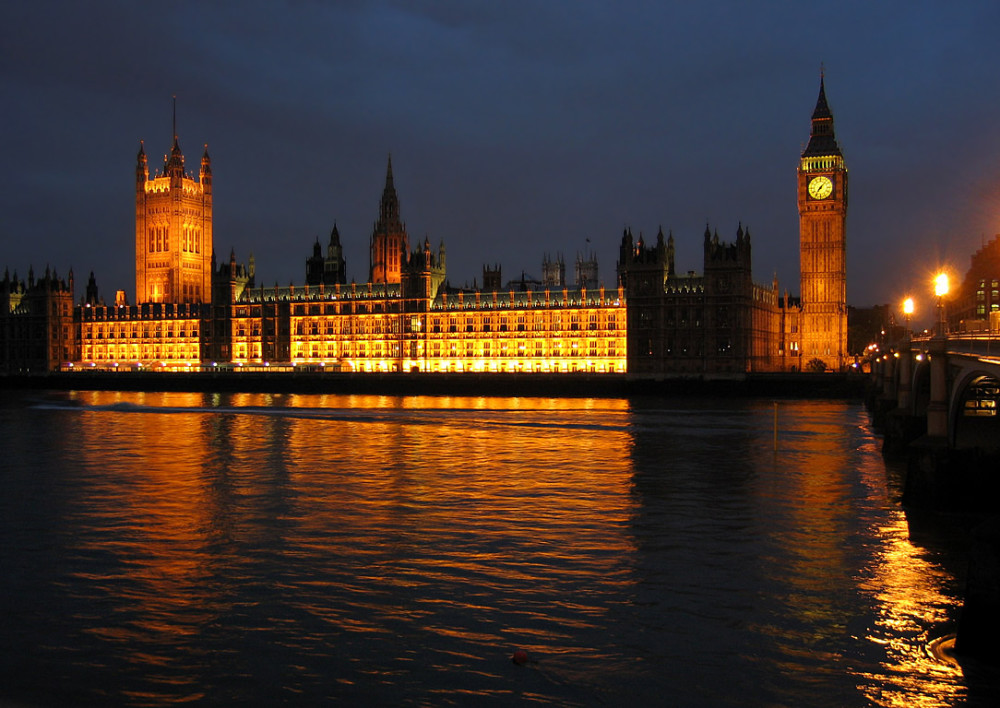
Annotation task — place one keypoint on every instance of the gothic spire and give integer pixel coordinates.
(822, 140)
(388, 213)
(176, 162)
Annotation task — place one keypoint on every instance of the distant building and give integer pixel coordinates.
(978, 295)
(871, 325)
(586, 271)
(331, 268)
(36, 323)
(554, 271)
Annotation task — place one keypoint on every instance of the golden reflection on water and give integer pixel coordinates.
(809, 485)
(454, 501)
(817, 462)
(912, 609)
(486, 523)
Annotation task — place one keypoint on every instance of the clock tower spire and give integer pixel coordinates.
(822, 198)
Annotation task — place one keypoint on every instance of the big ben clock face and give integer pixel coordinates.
(820, 187)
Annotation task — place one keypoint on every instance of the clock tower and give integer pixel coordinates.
(822, 181)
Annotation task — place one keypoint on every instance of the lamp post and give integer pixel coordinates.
(905, 361)
(907, 314)
(937, 349)
(940, 290)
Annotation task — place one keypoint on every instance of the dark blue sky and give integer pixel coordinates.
(516, 128)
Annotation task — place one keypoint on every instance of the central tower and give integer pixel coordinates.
(173, 230)
(822, 197)
(389, 242)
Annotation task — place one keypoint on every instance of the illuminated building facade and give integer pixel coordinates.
(154, 334)
(192, 312)
(173, 231)
(411, 321)
(822, 198)
(419, 324)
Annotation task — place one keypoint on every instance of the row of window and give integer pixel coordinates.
(144, 333)
(520, 323)
(349, 305)
(453, 350)
(137, 353)
(159, 239)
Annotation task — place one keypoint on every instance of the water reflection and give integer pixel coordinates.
(913, 603)
(269, 549)
(344, 533)
(803, 562)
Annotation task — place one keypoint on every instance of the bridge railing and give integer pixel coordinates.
(986, 345)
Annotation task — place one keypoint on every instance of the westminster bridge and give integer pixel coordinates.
(936, 400)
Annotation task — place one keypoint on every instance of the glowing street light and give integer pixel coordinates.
(908, 313)
(940, 290)
(941, 284)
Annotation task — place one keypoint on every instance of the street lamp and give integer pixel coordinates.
(908, 313)
(940, 290)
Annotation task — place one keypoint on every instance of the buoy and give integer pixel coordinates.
(520, 657)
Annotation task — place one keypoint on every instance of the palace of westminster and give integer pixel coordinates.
(192, 312)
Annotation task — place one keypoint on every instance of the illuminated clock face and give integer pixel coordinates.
(820, 187)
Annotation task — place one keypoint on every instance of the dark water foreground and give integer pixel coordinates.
(259, 549)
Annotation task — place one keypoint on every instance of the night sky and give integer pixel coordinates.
(516, 129)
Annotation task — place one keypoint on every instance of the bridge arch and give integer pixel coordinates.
(975, 419)
(921, 387)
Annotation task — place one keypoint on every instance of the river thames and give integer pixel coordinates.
(261, 549)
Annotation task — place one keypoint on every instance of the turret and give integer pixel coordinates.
(175, 164)
(141, 167)
(553, 271)
(721, 254)
(315, 265)
(91, 295)
(492, 278)
(335, 267)
(205, 176)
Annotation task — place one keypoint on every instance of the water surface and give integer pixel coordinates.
(168, 548)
